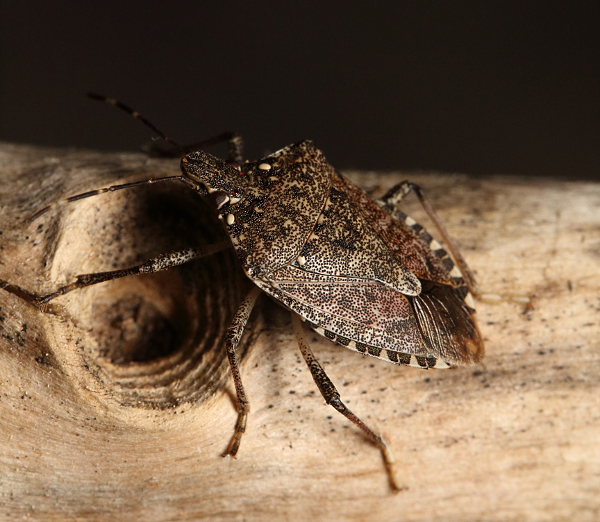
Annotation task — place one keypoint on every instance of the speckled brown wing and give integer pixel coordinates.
(447, 324)
(351, 281)
(406, 240)
(360, 310)
(444, 308)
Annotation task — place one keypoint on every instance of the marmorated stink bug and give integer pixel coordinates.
(360, 273)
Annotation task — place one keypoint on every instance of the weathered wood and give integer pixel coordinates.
(117, 403)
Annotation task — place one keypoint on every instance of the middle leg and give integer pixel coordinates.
(332, 397)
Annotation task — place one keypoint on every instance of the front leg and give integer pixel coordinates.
(157, 264)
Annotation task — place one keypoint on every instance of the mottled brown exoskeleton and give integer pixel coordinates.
(360, 273)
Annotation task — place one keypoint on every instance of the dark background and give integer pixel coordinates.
(480, 87)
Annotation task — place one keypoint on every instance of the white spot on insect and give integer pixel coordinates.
(230, 219)
(455, 272)
(273, 178)
(441, 365)
(264, 166)
(410, 221)
(321, 218)
(434, 245)
(233, 200)
(301, 260)
(469, 301)
(414, 362)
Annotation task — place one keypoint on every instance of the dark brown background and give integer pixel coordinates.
(477, 87)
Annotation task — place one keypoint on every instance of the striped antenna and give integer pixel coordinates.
(112, 188)
(137, 115)
(235, 157)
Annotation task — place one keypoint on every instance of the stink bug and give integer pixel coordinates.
(358, 272)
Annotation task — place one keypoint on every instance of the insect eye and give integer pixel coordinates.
(234, 193)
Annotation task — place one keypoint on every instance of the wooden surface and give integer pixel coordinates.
(116, 404)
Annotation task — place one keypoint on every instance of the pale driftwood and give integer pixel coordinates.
(89, 431)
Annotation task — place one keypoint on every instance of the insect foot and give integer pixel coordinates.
(360, 273)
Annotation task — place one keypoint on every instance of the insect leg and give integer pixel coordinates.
(332, 397)
(19, 292)
(392, 198)
(156, 264)
(232, 339)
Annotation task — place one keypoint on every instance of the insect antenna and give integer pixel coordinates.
(112, 188)
(138, 116)
(234, 156)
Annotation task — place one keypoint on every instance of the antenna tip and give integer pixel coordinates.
(95, 96)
